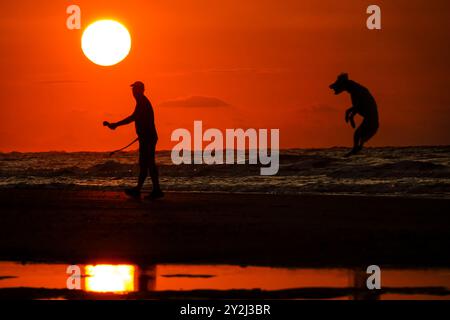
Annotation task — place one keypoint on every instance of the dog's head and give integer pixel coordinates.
(341, 84)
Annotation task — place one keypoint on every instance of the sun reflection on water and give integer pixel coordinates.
(110, 278)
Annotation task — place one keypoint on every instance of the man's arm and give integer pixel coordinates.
(123, 122)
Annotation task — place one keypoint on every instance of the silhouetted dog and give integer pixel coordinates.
(363, 104)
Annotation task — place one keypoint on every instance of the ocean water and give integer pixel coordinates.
(408, 171)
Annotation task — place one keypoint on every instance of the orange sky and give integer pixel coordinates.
(260, 64)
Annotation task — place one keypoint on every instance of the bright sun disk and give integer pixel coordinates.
(106, 42)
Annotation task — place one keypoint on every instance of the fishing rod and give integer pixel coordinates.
(106, 124)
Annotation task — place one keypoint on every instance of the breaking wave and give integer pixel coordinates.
(399, 171)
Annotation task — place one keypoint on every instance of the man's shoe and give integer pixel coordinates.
(155, 194)
(133, 192)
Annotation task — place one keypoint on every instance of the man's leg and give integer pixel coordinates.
(144, 150)
(153, 169)
(154, 174)
(143, 169)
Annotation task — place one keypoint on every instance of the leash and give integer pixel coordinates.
(106, 123)
(128, 145)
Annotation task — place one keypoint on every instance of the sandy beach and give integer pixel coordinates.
(240, 229)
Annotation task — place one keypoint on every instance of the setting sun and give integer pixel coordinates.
(106, 42)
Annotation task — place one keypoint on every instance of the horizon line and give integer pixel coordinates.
(280, 149)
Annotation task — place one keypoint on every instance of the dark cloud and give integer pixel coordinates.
(195, 102)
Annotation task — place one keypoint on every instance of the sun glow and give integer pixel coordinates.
(110, 278)
(106, 42)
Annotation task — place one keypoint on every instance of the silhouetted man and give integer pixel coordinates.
(144, 120)
(363, 104)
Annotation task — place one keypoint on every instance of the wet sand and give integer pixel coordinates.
(241, 229)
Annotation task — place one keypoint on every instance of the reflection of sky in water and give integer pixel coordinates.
(122, 279)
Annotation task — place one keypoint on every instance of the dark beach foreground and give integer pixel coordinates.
(240, 229)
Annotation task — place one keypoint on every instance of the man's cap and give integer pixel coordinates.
(138, 84)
